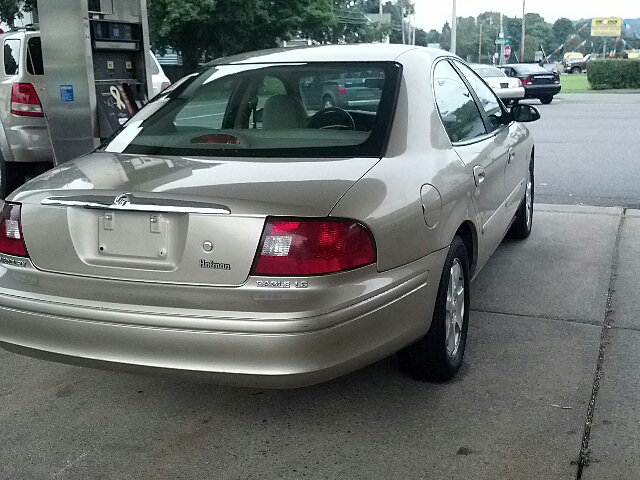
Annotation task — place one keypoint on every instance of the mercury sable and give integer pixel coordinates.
(236, 231)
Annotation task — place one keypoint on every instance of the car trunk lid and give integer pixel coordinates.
(174, 220)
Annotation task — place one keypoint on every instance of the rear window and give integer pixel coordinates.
(153, 66)
(276, 110)
(529, 69)
(11, 56)
(488, 72)
(34, 56)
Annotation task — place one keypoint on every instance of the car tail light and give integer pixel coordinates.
(520, 83)
(313, 247)
(11, 240)
(165, 85)
(25, 101)
(527, 81)
(342, 91)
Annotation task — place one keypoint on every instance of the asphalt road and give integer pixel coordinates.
(587, 150)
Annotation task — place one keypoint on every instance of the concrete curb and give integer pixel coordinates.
(580, 209)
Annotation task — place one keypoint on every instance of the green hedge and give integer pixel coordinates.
(614, 73)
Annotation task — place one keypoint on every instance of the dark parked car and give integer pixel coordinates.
(353, 93)
(537, 81)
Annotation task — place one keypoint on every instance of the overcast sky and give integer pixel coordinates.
(433, 13)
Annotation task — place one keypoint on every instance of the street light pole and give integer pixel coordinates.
(524, 29)
(454, 28)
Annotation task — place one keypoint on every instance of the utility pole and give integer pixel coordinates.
(404, 41)
(524, 29)
(480, 46)
(454, 29)
(501, 36)
(413, 30)
(380, 10)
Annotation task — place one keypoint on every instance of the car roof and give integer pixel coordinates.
(327, 53)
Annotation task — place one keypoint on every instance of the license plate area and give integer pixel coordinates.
(134, 235)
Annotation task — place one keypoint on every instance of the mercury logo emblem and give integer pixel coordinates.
(122, 200)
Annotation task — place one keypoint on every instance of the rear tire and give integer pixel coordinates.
(576, 70)
(438, 355)
(521, 228)
(546, 100)
(327, 102)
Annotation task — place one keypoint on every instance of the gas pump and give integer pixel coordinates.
(96, 73)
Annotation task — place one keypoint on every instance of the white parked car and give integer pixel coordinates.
(510, 90)
(159, 80)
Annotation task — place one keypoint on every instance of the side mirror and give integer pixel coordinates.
(525, 113)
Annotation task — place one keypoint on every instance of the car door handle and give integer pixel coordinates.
(479, 175)
(511, 155)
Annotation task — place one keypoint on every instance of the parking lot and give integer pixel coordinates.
(552, 350)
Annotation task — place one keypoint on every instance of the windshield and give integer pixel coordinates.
(488, 72)
(300, 110)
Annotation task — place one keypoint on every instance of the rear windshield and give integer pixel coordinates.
(269, 110)
(488, 72)
(528, 69)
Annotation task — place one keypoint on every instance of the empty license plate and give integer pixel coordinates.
(134, 235)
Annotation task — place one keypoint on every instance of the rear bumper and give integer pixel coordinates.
(29, 142)
(257, 350)
(537, 91)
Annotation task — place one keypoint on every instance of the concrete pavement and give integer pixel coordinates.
(517, 410)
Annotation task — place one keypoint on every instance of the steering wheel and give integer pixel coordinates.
(332, 117)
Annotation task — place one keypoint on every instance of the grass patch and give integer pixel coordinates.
(575, 83)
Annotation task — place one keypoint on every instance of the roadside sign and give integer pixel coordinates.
(507, 52)
(606, 27)
(503, 41)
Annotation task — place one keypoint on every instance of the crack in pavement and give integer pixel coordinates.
(594, 323)
(584, 457)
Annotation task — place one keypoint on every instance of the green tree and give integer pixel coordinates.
(204, 29)
(562, 28)
(12, 9)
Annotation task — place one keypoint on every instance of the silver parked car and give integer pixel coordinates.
(25, 148)
(509, 90)
(233, 233)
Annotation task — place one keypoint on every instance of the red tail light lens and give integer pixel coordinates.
(527, 81)
(11, 240)
(25, 101)
(165, 85)
(342, 91)
(520, 83)
(313, 247)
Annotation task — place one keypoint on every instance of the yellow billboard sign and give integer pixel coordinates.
(606, 27)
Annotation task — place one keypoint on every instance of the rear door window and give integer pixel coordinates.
(488, 99)
(459, 112)
(35, 65)
(11, 56)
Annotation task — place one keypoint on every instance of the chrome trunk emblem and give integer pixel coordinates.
(122, 200)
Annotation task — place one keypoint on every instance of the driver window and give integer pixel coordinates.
(488, 100)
